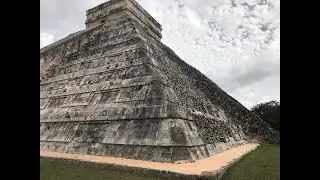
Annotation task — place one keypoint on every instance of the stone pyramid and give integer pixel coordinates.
(114, 89)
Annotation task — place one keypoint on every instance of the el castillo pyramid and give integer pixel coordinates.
(114, 89)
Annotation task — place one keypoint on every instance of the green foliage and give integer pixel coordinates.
(269, 112)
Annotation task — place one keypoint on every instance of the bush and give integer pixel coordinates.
(269, 112)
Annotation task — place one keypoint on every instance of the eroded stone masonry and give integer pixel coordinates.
(114, 89)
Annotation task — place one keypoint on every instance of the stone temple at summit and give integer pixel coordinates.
(114, 89)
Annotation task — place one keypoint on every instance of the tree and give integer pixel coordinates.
(269, 112)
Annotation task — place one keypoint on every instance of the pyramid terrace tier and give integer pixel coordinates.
(166, 154)
(83, 41)
(118, 8)
(170, 140)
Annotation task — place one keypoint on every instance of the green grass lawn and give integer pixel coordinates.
(261, 164)
(57, 171)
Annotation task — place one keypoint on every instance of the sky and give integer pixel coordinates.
(236, 43)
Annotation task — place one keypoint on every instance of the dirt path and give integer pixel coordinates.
(211, 164)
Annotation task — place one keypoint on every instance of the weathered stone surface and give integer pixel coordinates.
(114, 89)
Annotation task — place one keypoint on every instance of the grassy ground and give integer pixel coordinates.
(261, 164)
(56, 171)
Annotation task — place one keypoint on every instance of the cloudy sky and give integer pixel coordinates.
(236, 43)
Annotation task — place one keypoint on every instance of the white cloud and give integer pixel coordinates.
(258, 92)
(46, 39)
(235, 43)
